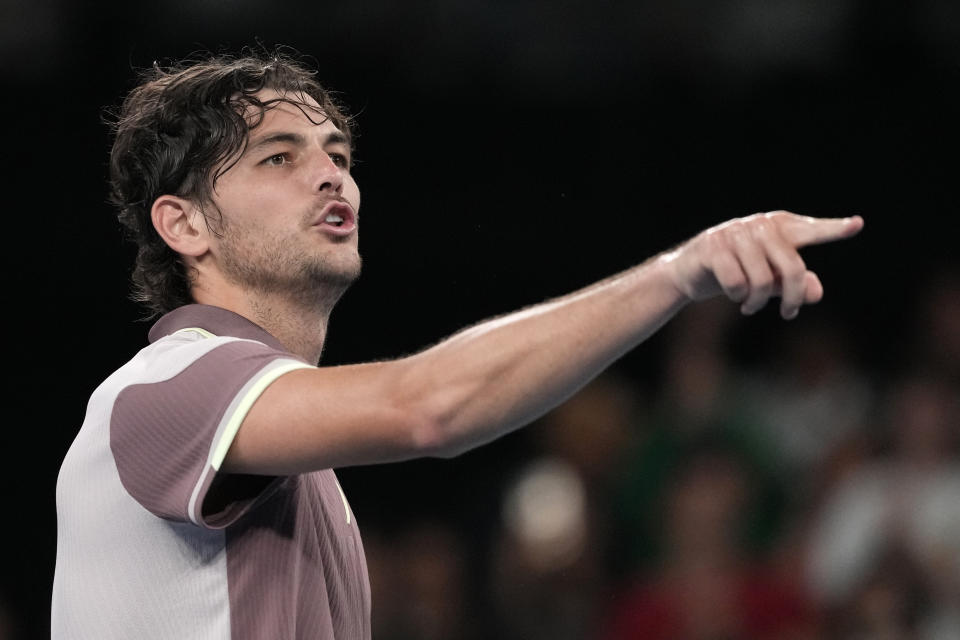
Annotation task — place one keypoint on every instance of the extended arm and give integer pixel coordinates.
(501, 374)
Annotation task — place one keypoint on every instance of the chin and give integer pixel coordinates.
(340, 270)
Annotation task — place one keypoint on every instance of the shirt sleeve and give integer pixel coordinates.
(169, 437)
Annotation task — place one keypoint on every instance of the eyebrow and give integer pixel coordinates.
(296, 139)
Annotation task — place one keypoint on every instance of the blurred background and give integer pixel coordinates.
(733, 478)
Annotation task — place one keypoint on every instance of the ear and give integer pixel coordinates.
(181, 225)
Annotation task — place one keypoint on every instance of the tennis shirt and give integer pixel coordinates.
(154, 541)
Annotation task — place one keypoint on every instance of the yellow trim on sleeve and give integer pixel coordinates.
(203, 332)
(233, 425)
(343, 496)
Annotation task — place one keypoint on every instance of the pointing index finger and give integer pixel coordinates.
(801, 231)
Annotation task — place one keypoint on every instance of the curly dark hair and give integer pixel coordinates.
(178, 131)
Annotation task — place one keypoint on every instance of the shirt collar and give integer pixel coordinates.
(216, 320)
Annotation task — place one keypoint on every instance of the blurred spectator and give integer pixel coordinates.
(697, 369)
(809, 407)
(699, 397)
(884, 555)
(707, 586)
(593, 428)
(418, 584)
(547, 575)
(888, 604)
(549, 572)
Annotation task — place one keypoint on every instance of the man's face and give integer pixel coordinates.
(289, 207)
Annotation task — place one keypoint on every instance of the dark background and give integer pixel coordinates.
(509, 152)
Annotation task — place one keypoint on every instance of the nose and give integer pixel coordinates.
(328, 176)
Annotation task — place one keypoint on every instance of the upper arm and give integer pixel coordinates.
(327, 417)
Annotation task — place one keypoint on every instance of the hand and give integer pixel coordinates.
(755, 258)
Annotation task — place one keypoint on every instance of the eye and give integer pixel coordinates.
(277, 160)
(340, 160)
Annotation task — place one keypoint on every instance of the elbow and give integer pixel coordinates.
(433, 437)
(432, 411)
(428, 438)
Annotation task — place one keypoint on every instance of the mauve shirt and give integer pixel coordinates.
(142, 553)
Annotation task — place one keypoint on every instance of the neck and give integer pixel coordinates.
(301, 330)
(299, 325)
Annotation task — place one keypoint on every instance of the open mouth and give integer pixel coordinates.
(337, 216)
(334, 219)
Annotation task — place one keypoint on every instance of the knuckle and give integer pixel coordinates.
(735, 286)
(762, 284)
(794, 270)
(778, 219)
(760, 229)
(718, 241)
(737, 292)
(738, 232)
(738, 283)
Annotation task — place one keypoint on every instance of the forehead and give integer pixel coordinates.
(287, 110)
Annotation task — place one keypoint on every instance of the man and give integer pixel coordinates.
(198, 499)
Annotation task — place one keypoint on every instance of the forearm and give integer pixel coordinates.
(503, 373)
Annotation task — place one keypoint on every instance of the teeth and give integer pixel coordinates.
(334, 219)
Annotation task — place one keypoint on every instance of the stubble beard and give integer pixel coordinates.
(275, 268)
